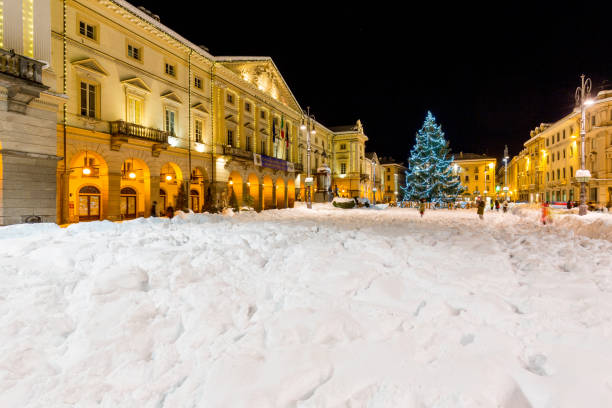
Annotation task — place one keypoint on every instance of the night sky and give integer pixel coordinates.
(489, 75)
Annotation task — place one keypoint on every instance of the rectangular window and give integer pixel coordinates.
(198, 130)
(342, 147)
(134, 110)
(248, 143)
(230, 137)
(593, 120)
(170, 122)
(197, 82)
(571, 171)
(558, 174)
(88, 100)
(546, 142)
(342, 168)
(564, 153)
(558, 155)
(247, 106)
(593, 194)
(553, 157)
(263, 146)
(547, 177)
(230, 98)
(476, 177)
(87, 30)
(564, 133)
(564, 172)
(262, 114)
(388, 177)
(134, 52)
(170, 69)
(467, 178)
(552, 139)
(558, 136)
(552, 175)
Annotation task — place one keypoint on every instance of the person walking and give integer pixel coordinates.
(496, 205)
(492, 204)
(481, 208)
(545, 212)
(505, 206)
(154, 209)
(569, 205)
(170, 212)
(422, 207)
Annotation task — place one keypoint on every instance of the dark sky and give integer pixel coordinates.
(489, 74)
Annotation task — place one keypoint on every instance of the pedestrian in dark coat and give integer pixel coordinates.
(569, 205)
(496, 205)
(170, 212)
(154, 209)
(481, 208)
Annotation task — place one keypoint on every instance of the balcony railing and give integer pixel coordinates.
(238, 153)
(21, 67)
(122, 128)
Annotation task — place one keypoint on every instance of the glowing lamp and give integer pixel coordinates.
(231, 182)
(132, 175)
(199, 147)
(173, 141)
(589, 102)
(86, 171)
(313, 131)
(168, 177)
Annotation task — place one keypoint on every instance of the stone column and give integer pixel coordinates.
(113, 209)
(154, 196)
(274, 195)
(286, 197)
(260, 202)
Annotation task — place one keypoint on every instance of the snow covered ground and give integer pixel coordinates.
(299, 308)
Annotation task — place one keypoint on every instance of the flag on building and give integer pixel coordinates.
(282, 126)
(273, 131)
(287, 135)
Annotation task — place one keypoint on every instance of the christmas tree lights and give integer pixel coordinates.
(430, 175)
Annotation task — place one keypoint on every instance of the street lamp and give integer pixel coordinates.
(506, 157)
(583, 175)
(308, 126)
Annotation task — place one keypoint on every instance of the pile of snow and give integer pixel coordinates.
(306, 308)
(343, 200)
(596, 225)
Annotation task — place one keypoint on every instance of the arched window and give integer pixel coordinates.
(194, 196)
(128, 202)
(89, 203)
(162, 198)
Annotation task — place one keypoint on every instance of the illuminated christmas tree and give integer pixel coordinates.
(429, 174)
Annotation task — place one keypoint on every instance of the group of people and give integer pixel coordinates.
(168, 213)
(480, 206)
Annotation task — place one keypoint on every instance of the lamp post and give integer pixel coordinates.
(506, 157)
(309, 127)
(583, 175)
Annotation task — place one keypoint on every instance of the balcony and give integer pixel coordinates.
(298, 167)
(22, 76)
(237, 153)
(364, 177)
(121, 131)
(20, 67)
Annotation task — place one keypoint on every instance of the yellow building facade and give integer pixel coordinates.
(394, 178)
(545, 169)
(477, 175)
(144, 118)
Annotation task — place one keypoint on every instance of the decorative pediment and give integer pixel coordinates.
(249, 125)
(137, 84)
(262, 73)
(90, 65)
(263, 131)
(200, 107)
(231, 118)
(172, 97)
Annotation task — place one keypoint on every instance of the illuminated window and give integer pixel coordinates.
(170, 69)
(28, 28)
(87, 30)
(134, 52)
(230, 137)
(170, 121)
(198, 130)
(247, 106)
(134, 110)
(197, 82)
(342, 168)
(89, 94)
(230, 98)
